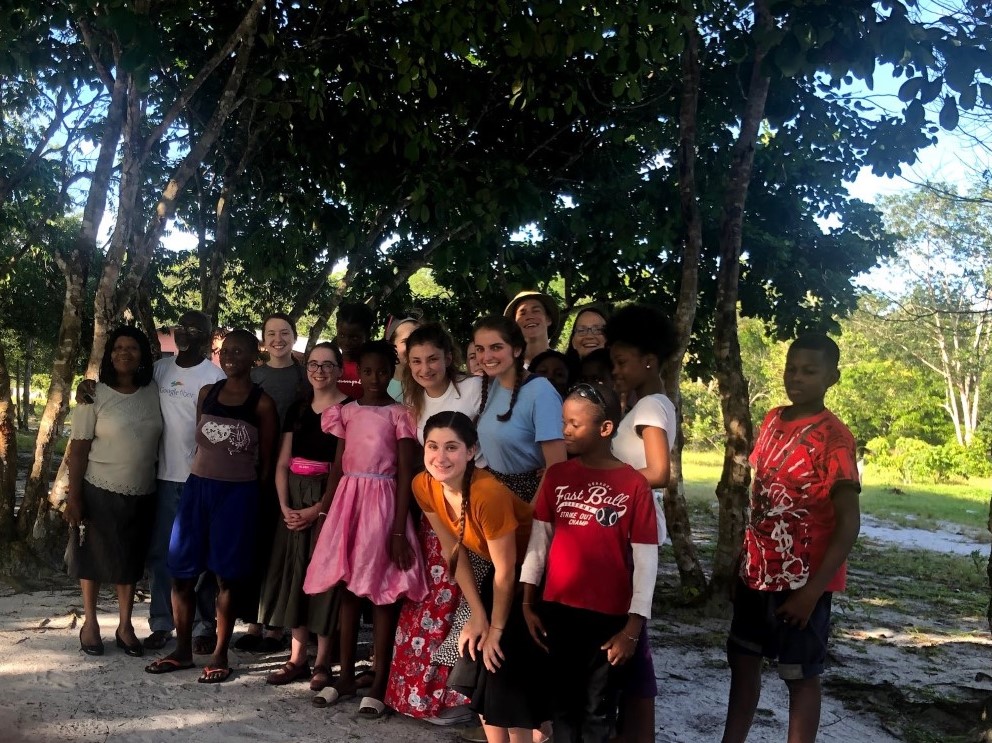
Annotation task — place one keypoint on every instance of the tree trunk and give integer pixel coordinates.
(35, 521)
(166, 207)
(676, 511)
(213, 256)
(8, 452)
(326, 308)
(143, 311)
(104, 311)
(732, 490)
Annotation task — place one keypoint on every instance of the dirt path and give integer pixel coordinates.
(54, 693)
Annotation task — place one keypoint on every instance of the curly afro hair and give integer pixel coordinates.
(645, 328)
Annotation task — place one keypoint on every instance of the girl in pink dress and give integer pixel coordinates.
(367, 544)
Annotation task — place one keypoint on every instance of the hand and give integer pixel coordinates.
(473, 634)
(400, 551)
(85, 391)
(73, 513)
(796, 609)
(536, 628)
(492, 653)
(300, 520)
(620, 648)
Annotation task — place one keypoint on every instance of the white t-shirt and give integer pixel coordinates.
(464, 399)
(654, 410)
(178, 390)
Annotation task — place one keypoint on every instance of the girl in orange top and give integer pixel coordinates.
(472, 511)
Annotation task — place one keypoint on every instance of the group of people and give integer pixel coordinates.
(499, 524)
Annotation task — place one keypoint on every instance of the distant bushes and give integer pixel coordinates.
(913, 461)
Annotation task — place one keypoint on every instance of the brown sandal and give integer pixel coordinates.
(289, 673)
(321, 677)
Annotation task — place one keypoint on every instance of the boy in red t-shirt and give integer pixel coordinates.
(804, 520)
(595, 530)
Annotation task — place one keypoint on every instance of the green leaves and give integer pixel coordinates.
(949, 113)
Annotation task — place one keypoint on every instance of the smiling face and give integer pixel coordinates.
(193, 333)
(278, 338)
(446, 456)
(495, 354)
(428, 367)
(631, 368)
(323, 369)
(125, 356)
(533, 319)
(237, 356)
(400, 335)
(588, 333)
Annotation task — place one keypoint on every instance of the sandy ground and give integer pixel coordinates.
(951, 538)
(52, 692)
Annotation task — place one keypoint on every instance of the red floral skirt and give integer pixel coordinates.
(417, 686)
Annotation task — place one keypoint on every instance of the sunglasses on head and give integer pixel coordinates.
(589, 392)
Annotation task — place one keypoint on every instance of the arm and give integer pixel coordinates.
(282, 479)
(504, 553)
(267, 431)
(797, 608)
(400, 551)
(553, 452)
(620, 648)
(477, 626)
(337, 469)
(531, 574)
(656, 454)
(78, 454)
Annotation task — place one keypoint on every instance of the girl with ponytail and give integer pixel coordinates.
(477, 519)
(520, 428)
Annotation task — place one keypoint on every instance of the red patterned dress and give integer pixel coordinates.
(417, 684)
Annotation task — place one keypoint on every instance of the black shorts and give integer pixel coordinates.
(756, 630)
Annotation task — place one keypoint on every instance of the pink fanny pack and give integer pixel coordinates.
(308, 467)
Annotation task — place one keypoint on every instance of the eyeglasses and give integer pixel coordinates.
(589, 392)
(189, 330)
(325, 367)
(590, 329)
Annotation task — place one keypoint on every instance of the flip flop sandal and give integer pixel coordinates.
(212, 675)
(371, 708)
(321, 678)
(288, 673)
(330, 696)
(168, 665)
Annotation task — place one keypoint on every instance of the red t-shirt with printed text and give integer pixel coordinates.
(596, 515)
(796, 465)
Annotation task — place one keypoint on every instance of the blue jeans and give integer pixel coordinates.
(160, 580)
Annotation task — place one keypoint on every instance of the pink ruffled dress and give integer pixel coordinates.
(353, 546)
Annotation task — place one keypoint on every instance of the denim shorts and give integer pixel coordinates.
(756, 630)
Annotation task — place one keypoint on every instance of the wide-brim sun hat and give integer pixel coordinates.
(546, 300)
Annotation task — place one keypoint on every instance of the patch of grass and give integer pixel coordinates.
(950, 586)
(926, 506)
(922, 506)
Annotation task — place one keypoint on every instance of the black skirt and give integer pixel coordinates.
(118, 530)
(516, 695)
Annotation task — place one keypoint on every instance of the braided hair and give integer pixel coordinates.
(511, 334)
(465, 431)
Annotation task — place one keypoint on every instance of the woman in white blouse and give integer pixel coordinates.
(111, 503)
